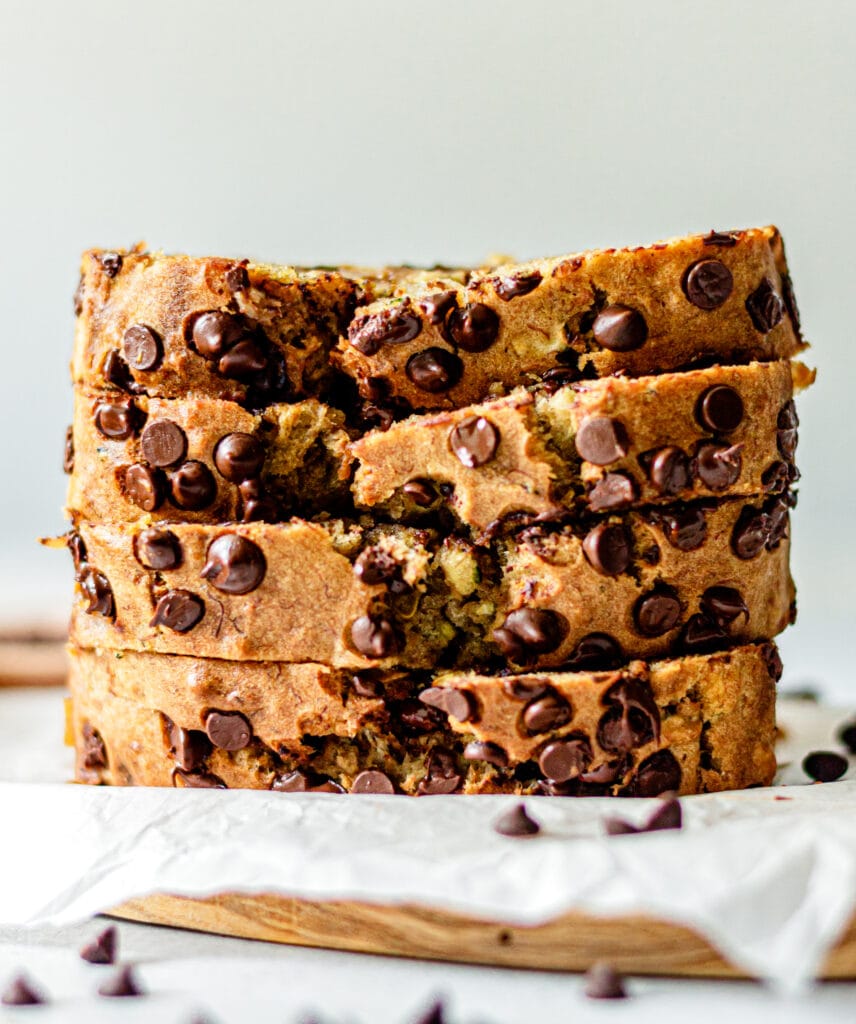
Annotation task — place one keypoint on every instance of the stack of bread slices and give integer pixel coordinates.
(519, 529)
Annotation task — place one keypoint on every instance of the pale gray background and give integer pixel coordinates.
(319, 132)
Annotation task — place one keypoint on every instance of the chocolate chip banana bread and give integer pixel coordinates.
(694, 724)
(722, 297)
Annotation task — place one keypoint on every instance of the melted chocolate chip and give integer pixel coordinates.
(659, 773)
(434, 370)
(701, 634)
(117, 372)
(546, 713)
(824, 765)
(522, 283)
(658, 612)
(786, 441)
(708, 283)
(566, 758)
(163, 443)
(608, 548)
(516, 823)
(442, 775)
(236, 277)
(528, 632)
(373, 782)
(98, 592)
(632, 718)
(492, 753)
(765, 307)
(685, 529)
(596, 651)
(775, 477)
(189, 747)
(255, 506)
(142, 347)
(234, 564)
(389, 327)
(75, 545)
(474, 441)
(238, 457)
(723, 605)
(155, 548)
(669, 470)
(115, 421)
(723, 239)
(178, 610)
(197, 780)
(193, 486)
(719, 465)
(244, 360)
(601, 440)
(750, 534)
(719, 409)
(214, 333)
(374, 636)
(525, 689)
(143, 486)
(474, 327)
(620, 328)
(791, 302)
(436, 306)
(228, 730)
(420, 492)
(614, 490)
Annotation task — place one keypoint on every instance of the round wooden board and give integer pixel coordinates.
(573, 942)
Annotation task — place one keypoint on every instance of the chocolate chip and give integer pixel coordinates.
(98, 591)
(765, 307)
(528, 632)
(608, 548)
(68, 452)
(300, 781)
(365, 685)
(508, 288)
(389, 327)
(480, 750)
(19, 992)
(558, 377)
(787, 442)
(236, 277)
(719, 409)
(435, 1014)
(373, 782)
(566, 758)
(214, 333)
(442, 776)
(546, 713)
(123, 984)
(824, 765)
(775, 477)
(117, 372)
(94, 753)
(375, 565)
(238, 457)
(234, 565)
(667, 816)
(685, 529)
(474, 441)
(620, 328)
(788, 418)
(228, 730)
(255, 506)
(525, 689)
(189, 747)
(614, 490)
(658, 612)
(419, 718)
(633, 719)
(243, 360)
(791, 302)
(516, 822)
(604, 982)
(719, 465)
(474, 327)
(847, 735)
(750, 534)
(155, 548)
(723, 605)
(374, 636)
(773, 661)
(163, 443)
(142, 347)
(669, 470)
(178, 610)
(420, 492)
(458, 704)
(723, 239)
(436, 306)
(601, 440)
(102, 949)
(115, 421)
(197, 780)
(111, 263)
(778, 513)
(75, 545)
(434, 369)
(596, 651)
(143, 486)
(702, 634)
(193, 486)
(708, 283)
(659, 773)
(606, 774)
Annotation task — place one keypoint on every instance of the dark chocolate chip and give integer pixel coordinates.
(117, 372)
(765, 307)
(459, 704)
(614, 490)
(442, 776)
(719, 465)
(197, 780)
(419, 718)
(788, 418)
(596, 651)
(115, 421)
(606, 774)
(824, 765)
(525, 689)
(193, 486)
(435, 1014)
(375, 565)
(474, 327)
(68, 451)
(528, 632)
(238, 457)
(374, 636)
(122, 984)
(255, 506)
(111, 263)
(365, 685)
(702, 634)
(608, 548)
(98, 591)
(474, 441)
(658, 612)
(420, 492)
(94, 753)
(163, 443)
(156, 548)
(667, 816)
(723, 239)
(189, 747)
(720, 409)
(102, 949)
(482, 750)
(775, 477)
(389, 327)
(243, 360)
(546, 713)
(516, 822)
(601, 440)
(566, 758)
(604, 982)
(75, 545)
(143, 486)
(773, 661)
(620, 328)
(142, 347)
(234, 565)
(178, 610)
(750, 534)
(19, 992)
(228, 730)
(723, 605)
(787, 442)
(659, 773)
(292, 782)
(437, 305)
(214, 333)
(236, 277)
(791, 302)
(522, 283)
(669, 470)
(708, 283)
(633, 718)
(847, 735)
(684, 529)
(558, 377)
(434, 369)
(373, 782)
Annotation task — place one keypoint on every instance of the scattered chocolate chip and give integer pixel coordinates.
(750, 534)
(528, 632)
(163, 443)
(20, 992)
(442, 776)
(236, 277)
(238, 457)
(596, 651)
(435, 1014)
(122, 984)
(608, 548)
(234, 564)
(723, 605)
(436, 306)
(68, 452)
(197, 780)
(667, 816)
(659, 773)
(632, 719)
(708, 283)
(546, 713)
(434, 369)
(193, 486)
(474, 327)
(614, 490)
(522, 283)
(214, 333)
(765, 307)
(142, 347)
(94, 753)
(601, 440)
(102, 949)
(111, 263)
(723, 239)
(847, 735)
(388, 327)
(685, 529)
(178, 610)
(228, 730)
(604, 982)
(189, 747)
(96, 587)
(374, 636)
(474, 441)
(719, 465)
(143, 486)
(483, 750)
(375, 565)
(459, 704)
(669, 470)
(566, 758)
(719, 409)
(657, 612)
(243, 360)
(373, 782)
(420, 492)
(516, 822)
(115, 421)
(156, 548)
(620, 328)
(824, 765)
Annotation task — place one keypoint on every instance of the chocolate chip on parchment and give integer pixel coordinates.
(373, 782)
(720, 409)
(613, 490)
(442, 776)
(596, 651)
(719, 465)
(99, 594)
(156, 548)
(667, 816)
(388, 327)
(522, 283)
(620, 328)
(123, 984)
(551, 711)
(458, 704)
(111, 263)
(144, 487)
(708, 283)
(602, 981)
(824, 765)
(142, 347)
(435, 1014)
(374, 636)
(178, 610)
(228, 730)
(601, 440)
(21, 992)
(765, 307)
(608, 548)
(474, 441)
(473, 327)
(566, 758)
(847, 735)
(657, 612)
(528, 632)
(214, 333)
(484, 750)
(163, 443)
(102, 949)
(238, 457)
(723, 605)
(434, 369)
(516, 823)
(669, 470)
(193, 486)
(632, 718)
(115, 421)
(234, 565)
(437, 305)
(658, 773)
